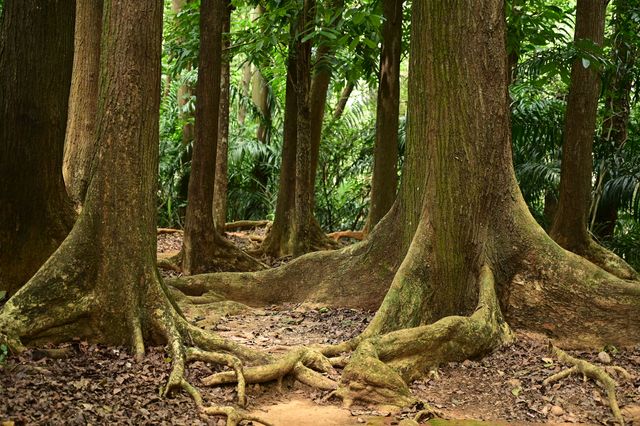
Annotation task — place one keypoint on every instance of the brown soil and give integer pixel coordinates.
(101, 385)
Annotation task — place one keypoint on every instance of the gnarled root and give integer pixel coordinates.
(381, 366)
(304, 364)
(589, 370)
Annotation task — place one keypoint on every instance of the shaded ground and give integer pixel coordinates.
(100, 385)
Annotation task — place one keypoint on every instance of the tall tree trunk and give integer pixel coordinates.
(245, 84)
(570, 227)
(292, 223)
(304, 188)
(203, 249)
(102, 283)
(36, 60)
(79, 147)
(342, 102)
(617, 103)
(385, 157)
(221, 176)
(278, 241)
(318, 97)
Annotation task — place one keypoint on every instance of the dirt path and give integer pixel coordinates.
(100, 385)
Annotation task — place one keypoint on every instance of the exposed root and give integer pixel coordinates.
(588, 370)
(251, 237)
(303, 364)
(356, 235)
(169, 231)
(234, 416)
(609, 261)
(246, 224)
(380, 367)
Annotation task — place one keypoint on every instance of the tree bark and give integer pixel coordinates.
(294, 224)
(79, 147)
(385, 157)
(303, 210)
(221, 175)
(203, 249)
(570, 227)
(36, 63)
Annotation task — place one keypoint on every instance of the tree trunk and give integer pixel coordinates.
(79, 147)
(36, 45)
(203, 249)
(303, 211)
(294, 225)
(75, 293)
(102, 283)
(318, 98)
(570, 227)
(342, 102)
(221, 176)
(385, 157)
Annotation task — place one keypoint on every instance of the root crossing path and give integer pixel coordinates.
(97, 384)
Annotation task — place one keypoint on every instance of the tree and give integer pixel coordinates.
(79, 146)
(102, 283)
(295, 229)
(204, 249)
(35, 74)
(478, 263)
(570, 227)
(222, 178)
(385, 158)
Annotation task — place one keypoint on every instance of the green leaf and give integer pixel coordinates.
(3, 294)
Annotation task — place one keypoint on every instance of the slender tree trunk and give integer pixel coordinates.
(342, 102)
(304, 188)
(278, 242)
(318, 98)
(199, 232)
(36, 59)
(292, 223)
(221, 176)
(203, 249)
(385, 157)
(80, 148)
(245, 83)
(570, 227)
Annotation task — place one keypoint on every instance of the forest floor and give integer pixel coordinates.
(101, 385)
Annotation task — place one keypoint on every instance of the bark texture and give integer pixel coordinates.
(384, 180)
(79, 146)
(570, 227)
(295, 229)
(203, 249)
(36, 45)
(342, 102)
(222, 151)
